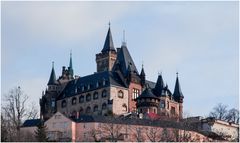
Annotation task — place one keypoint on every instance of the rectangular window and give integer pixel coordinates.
(173, 110)
(162, 104)
(135, 93)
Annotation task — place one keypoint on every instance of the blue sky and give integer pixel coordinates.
(197, 39)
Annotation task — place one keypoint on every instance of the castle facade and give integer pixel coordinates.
(116, 88)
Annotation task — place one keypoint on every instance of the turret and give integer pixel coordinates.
(143, 77)
(70, 68)
(178, 96)
(159, 86)
(52, 83)
(108, 55)
(147, 102)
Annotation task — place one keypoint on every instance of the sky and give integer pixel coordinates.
(199, 40)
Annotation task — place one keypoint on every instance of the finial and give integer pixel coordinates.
(52, 64)
(71, 53)
(124, 36)
(177, 74)
(124, 41)
(159, 73)
(109, 24)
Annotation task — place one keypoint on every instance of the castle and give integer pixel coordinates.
(117, 88)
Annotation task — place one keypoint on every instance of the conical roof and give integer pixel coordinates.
(147, 93)
(108, 45)
(177, 91)
(52, 79)
(159, 85)
(142, 72)
(70, 65)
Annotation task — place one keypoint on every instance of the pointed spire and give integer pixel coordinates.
(124, 43)
(108, 45)
(177, 91)
(143, 77)
(70, 64)
(159, 85)
(142, 72)
(52, 79)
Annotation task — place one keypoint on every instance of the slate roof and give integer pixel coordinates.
(31, 123)
(52, 79)
(177, 90)
(159, 86)
(125, 61)
(150, 83)
(142, 72)
(147, 93)
(91, 82)
(108, 44)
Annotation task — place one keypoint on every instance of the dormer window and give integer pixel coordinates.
(82, 88)
(104, 82)
(97, 85)
(88, 86)
(76, 90)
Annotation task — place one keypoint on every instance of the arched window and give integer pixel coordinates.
(74, 100)
(95, 95)
(104, 106)
(64, 103)
(120, 94)
(74, 114)
(88, 97)
(81, 99)
(104, 93)
(88, 110)
(81, 110)
(124, 107)
(95, 109)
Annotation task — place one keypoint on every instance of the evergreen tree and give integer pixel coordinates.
(40, 133)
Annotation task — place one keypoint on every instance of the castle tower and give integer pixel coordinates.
(52, 83)
(178, 96)
(147, 102)
(106, 59)
(67, 74)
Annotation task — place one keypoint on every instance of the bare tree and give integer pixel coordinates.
(15, 111)
(219, 111)
(154, 134)
(112, 131)
(233, 116)
(138, 133)
(166, 136)
(4, 130)
(95, 134)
